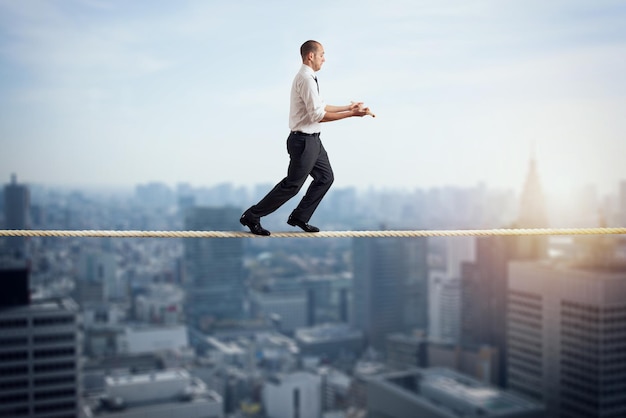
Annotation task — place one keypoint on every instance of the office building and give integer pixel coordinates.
(39, 355)
(286, 308)
(444, 307)
(410, 351)
(16, 209)
(158, 394)
(442, 393)
(327, 298)
(214, 270)
(96, 279)
(567, 335)
(485, 281)
(293, 395)
(406, 351)
(330, 341)
(389, 292)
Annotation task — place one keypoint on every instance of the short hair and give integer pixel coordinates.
(309, 46)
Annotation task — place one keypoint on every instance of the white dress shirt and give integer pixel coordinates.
(306, 108)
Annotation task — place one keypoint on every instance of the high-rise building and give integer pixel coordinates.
(444, 308)
(484, 298)
(532, 214)
(214, 270)
(485, 281)
(389, 287)
(567, 336)
(39, 357)
(444, 290)
(16, 208)
(622, 203)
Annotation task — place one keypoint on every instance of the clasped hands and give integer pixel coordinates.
(359, 109)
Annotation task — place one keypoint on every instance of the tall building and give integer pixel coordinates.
(484, 298)
(444, 308)
(532, 214)
(567, 336)
(622, 203)
(485, 281)
(444, 289)
(214, 270)
(39, 356)
(389, 287)
(16, 207)
(96, 279)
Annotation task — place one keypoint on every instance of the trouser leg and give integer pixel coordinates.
(323, 178)
(303, 153)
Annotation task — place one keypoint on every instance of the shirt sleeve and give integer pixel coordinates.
(312, 101)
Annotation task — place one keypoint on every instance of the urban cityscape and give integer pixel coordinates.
(523, 326)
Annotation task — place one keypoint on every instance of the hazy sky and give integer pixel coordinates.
(97, 92)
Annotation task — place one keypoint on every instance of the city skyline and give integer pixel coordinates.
(100, 93)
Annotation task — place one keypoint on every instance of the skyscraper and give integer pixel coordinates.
(444, 288)
(485, 282)
(389, 286)
(622, 203)
(532, 214)
(444, 306)
(39, 356)
(16, 206)
(484, 297)
(214, 273)
(567, 336)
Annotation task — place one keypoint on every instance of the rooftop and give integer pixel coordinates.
(457, 393)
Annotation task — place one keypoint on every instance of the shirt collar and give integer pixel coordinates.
(307, 70)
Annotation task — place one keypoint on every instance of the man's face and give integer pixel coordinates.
(318, 58)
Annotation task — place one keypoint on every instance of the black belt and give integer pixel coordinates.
(304, 133)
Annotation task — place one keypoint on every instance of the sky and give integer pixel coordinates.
(118, 93)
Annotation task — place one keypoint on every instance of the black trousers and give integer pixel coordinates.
(307, 156)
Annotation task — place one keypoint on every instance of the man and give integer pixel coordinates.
(307, 155)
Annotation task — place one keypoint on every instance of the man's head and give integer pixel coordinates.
(312, 53)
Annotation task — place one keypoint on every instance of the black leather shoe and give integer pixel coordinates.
(305, 226)
(255, 226)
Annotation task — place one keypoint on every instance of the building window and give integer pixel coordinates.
(13, 323)
(52, 321)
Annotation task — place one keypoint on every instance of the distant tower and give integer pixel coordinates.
(484, 282)
(532, 214)
(622, 203)
(16, 206)
(214, 269)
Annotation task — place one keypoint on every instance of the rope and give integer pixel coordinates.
(324, 234)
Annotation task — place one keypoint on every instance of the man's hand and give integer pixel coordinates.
(359, 109)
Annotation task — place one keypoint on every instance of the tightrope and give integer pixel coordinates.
(298, 234)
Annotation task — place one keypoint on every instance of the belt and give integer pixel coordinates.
(304, 133)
